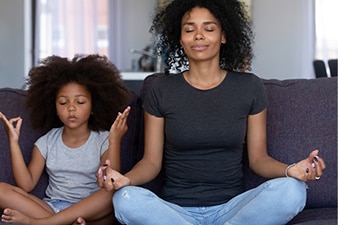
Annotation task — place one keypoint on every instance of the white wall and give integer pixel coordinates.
(15, 42)
(130, 30)
(284, 45)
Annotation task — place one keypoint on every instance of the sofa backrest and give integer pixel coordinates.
(302, 116)
(12, 105)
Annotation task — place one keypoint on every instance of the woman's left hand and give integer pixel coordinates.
(307, 169)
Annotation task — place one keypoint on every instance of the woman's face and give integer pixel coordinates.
(73, 105)
(201, 35)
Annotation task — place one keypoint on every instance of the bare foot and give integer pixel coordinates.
(79, 221)
(15, 217)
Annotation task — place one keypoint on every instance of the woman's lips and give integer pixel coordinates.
(199, 47)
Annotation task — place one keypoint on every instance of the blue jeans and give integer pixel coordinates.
(275, 202)
(58, 205)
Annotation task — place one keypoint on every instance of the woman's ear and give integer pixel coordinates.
(224, 40)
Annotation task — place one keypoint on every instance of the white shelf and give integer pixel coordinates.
(135, 75)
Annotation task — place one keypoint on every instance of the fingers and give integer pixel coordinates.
(12, 126)
(122, 117)
(3, 118)
(101, 173)
(317, 166)
(102, 176)
(18, 121)
(102, 169)
(313, 154)
(119, 127)
(12, 121)
(126, 110)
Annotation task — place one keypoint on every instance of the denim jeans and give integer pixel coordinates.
(58, 205)
(275, 202)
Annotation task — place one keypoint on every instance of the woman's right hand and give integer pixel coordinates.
(110, 179)
(12, 127)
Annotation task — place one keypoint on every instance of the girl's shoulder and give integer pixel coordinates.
(99, 136)
(53, 132)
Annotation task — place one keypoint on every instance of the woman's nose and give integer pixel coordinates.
(199, 36)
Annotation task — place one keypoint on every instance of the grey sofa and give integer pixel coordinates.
(302, 116)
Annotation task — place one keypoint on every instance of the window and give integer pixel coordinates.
(326, 29)
(107, 27)
(66, 27)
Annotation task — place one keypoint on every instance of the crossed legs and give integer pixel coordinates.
(23, 208)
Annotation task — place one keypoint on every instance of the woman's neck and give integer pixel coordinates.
(204, 77)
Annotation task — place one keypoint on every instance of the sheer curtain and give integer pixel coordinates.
(66, 28)
(326, 29)
(106, 27)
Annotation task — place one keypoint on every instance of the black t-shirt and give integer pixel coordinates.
(204, 135)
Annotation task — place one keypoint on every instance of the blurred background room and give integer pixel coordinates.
(290, 35)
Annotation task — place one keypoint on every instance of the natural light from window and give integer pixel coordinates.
(326, 29)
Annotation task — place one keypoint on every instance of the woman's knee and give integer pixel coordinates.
(130, 197)
(293, 193)
(129, 203)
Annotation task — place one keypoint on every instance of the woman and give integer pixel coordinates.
(196, 124)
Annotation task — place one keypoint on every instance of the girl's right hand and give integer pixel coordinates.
(110, 179)
(12, 127)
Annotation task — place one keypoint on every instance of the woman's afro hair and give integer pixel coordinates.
(235, 54)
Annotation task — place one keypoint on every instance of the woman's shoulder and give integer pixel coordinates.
(167, 77)
(243, 75)
(244, 78)
(161, 79)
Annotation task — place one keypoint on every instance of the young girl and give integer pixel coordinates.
(196, 125)
(76, 102)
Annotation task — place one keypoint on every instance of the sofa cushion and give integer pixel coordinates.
(317, 216)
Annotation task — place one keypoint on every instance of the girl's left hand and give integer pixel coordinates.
(119, 127)
(310, 168)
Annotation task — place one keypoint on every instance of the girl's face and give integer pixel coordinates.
(201, 35)
(73, 105)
